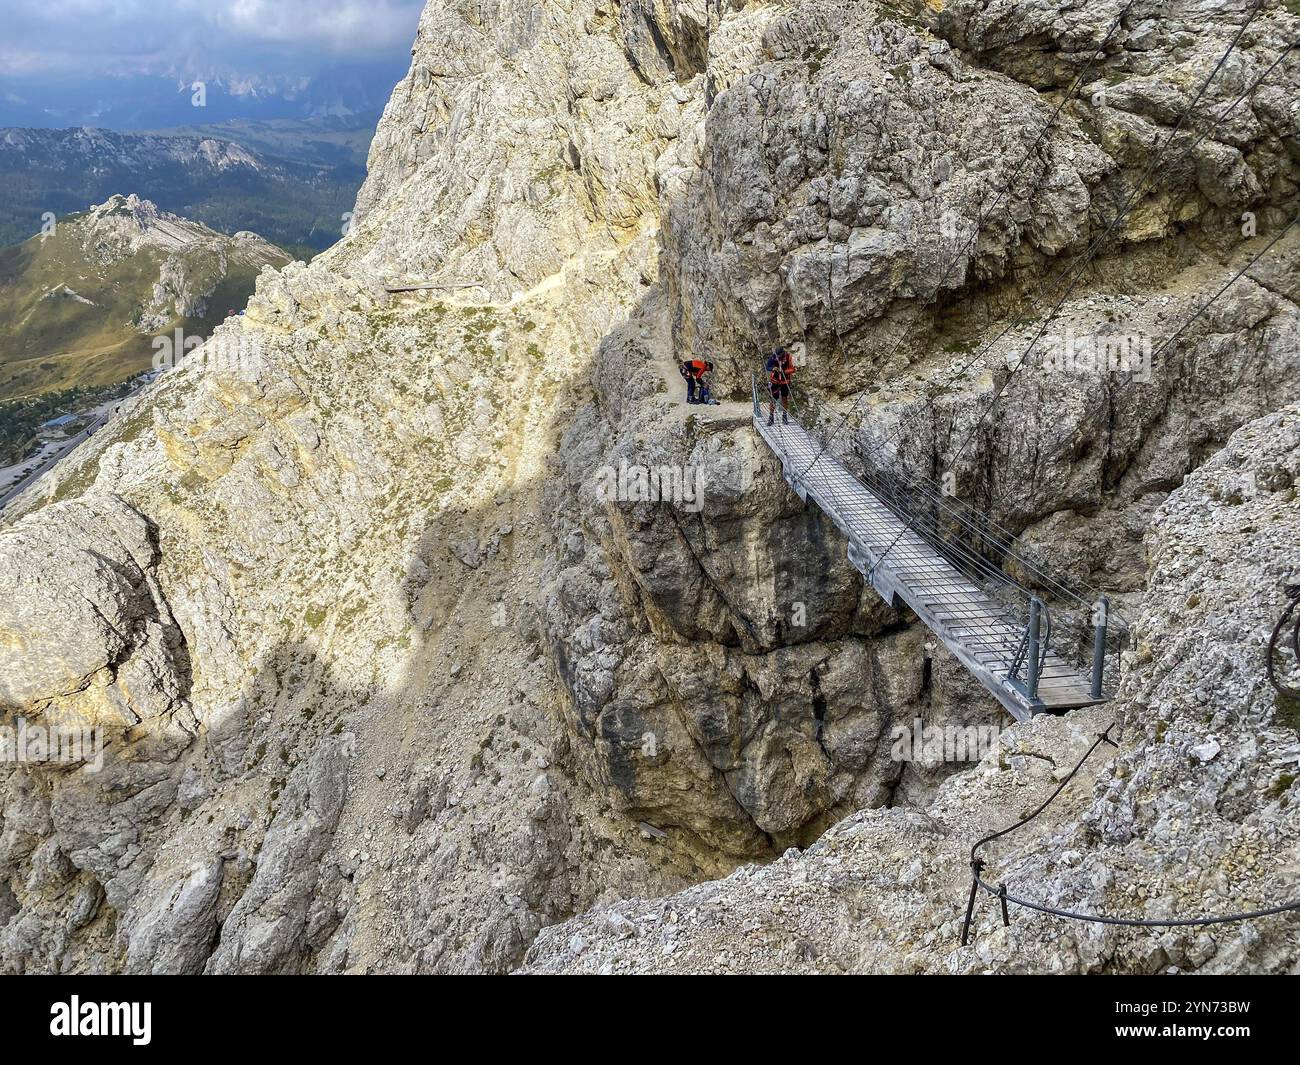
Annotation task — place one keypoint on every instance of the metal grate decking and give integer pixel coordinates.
(981, 632)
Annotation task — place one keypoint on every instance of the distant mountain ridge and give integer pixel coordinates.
(80, 305)
(220, 182)
(321, 141)
(100, 149)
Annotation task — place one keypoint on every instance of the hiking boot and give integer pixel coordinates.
(770, 418)
(785, 418)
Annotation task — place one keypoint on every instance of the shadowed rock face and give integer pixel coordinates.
(728, 671)
(1193, 815)
(852, 172)
(392, 684)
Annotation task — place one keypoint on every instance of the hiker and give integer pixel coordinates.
(692, 385)
(780, 369)
(694, 370)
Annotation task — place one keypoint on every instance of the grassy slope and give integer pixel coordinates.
(46, 344)
(49, 344)
(54, 352)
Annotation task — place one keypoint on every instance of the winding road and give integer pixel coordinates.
(64, 449)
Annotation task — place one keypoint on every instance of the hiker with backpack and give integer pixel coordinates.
(780, 369)
(706, 386)
(697, 386)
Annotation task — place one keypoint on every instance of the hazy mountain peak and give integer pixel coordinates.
(124, 224)
(292, 182)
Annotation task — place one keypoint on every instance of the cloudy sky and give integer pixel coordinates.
(191, 38)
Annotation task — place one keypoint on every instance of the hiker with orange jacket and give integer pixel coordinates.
(694, 370)
(780, 369)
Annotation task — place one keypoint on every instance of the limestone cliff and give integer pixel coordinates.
(390, 684)
(1194, 816)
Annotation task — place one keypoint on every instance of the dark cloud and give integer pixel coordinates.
(196, 38)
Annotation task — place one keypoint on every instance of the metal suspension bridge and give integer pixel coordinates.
(1035, 639)
(952, 567)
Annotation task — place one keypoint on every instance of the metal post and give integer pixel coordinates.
(1100, 611)
(975, 866)
(1035, 620)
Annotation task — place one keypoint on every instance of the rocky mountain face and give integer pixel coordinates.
(390, 679)
(1193, 816)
